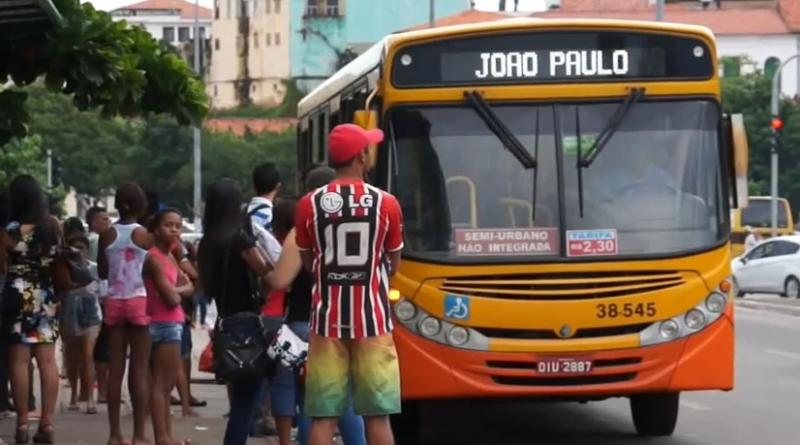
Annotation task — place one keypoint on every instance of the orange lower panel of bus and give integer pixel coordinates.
(701, 361)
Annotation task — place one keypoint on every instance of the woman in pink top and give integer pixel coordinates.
(165, 285)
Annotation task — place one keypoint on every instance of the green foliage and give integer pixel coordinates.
(750, 95)
(102, 64)
(22, 156)
(156, 152)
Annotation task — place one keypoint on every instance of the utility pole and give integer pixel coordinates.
(197, 150)
(775, 109)
(432, 13)
(659, 10)
(49, 169)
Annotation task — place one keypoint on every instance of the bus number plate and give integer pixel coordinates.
(564, 366)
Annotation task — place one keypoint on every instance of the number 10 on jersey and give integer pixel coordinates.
(347, 244)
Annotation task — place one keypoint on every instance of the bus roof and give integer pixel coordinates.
(366, 65)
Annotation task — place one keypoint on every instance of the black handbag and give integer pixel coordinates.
(240, 347)
(241, 340)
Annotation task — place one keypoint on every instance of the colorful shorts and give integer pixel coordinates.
(368, 365)
(131, 311)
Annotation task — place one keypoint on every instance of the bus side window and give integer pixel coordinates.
(314, 140)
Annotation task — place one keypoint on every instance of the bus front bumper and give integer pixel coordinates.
(702, 361)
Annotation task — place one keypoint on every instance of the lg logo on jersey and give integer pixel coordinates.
(333, 202)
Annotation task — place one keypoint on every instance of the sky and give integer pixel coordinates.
(485, 5)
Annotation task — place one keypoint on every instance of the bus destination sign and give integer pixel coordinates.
(536, 57)
(520, 65)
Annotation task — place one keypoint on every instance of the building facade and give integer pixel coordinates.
(249, 53)
(326, 34)
(171, 21)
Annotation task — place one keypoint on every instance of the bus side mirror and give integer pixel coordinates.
(368, 120)
(738, 150)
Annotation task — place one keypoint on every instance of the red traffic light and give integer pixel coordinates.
(777, 123)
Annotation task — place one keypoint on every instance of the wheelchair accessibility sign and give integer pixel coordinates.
(456, 307)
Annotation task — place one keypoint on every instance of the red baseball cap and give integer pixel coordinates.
(346, 141)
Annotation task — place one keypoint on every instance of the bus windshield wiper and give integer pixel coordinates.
(602, 139)
(611, 127)
(506, 137)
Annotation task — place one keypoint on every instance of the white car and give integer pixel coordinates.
(772, 266)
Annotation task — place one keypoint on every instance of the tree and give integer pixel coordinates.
(102, 64)
(22, 156)
(751, 95)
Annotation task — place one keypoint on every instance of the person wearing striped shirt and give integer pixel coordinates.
(350, 237)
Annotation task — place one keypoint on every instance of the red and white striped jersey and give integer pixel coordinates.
(350, 226)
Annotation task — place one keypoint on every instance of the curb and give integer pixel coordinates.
(793, 311)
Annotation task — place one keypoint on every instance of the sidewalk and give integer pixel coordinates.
(78, 428)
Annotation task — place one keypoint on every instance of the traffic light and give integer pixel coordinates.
(58, 170)
(777, 129)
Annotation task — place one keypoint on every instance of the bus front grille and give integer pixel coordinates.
(565, 381)
(563, 286)
(549, 334)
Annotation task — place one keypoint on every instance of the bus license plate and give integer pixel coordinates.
(564, 365)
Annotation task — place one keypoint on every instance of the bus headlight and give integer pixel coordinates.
(457, 336)
(703, 314)
(715, 302)
(429, 326)
(694, 319)
(669, 329)
(405, 310)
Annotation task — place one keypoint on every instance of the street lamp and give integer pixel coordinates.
(777, 125)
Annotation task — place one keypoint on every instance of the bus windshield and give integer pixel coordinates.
(758, 214)
(654, 190)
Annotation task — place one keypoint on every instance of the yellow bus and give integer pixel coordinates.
(566, 187)
(758, 216)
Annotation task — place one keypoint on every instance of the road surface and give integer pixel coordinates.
(761, 410)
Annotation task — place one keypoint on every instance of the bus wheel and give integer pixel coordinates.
(791, 288)
(407, 425)
(655, 414)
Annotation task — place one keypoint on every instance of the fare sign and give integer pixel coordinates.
(592, 242)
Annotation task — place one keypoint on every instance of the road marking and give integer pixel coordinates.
(695, 406)
(788, 354)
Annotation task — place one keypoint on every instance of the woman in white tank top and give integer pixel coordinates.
(123, 248)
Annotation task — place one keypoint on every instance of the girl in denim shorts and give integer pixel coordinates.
(166, 285)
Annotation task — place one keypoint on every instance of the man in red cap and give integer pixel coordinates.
(351, 236)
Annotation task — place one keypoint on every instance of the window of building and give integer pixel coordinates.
(168, 33)
(255, 39)
(269, 39)
(332, 8)
(216, 44)
(731, 66)
(216, 9)
(228, 9)
(277, 38)
(771, 66)
(202, 33)
(267, 7)
(277, 6)
(323, 8)
(215, 91)
(183, 34)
